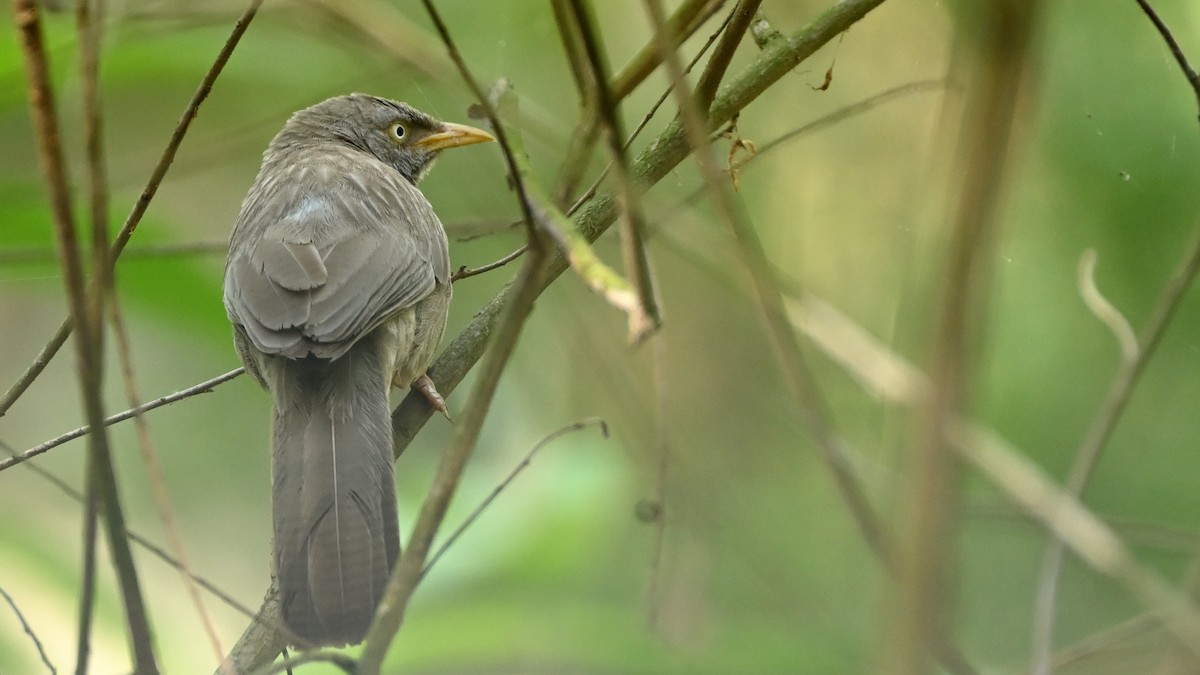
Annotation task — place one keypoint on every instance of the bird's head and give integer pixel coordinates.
(393, 132)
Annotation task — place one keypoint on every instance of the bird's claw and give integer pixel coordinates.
(425, 385)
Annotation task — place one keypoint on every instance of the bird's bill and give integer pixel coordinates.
(454, 135)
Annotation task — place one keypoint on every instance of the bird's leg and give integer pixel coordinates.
(425, 385)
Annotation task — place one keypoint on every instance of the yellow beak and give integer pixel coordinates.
(454, 135)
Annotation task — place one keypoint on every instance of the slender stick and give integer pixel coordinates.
(143, 202)
(393, 606)
(88, 342)
(37, 644)
(1185, 66)
(201, 388)
(710, 78)
(158, 482)
(921, 622)
(508, 480)
(137, 538)
(90, 28)
(1120, 391)
(646, 318)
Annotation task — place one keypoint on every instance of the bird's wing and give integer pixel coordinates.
(321, 257)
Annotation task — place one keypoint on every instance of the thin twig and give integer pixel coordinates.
(28, 631)
(1102, 308)
(465, 272)
(90, 28)
(710, 78)
(87, 584)
(921, 623)
(137, 538)
(645, 318)
(143, 202)
(344, 662)
(1189, 72)
(1120, 390)
(660, 509)
(393, 606)
(201, 388)
(521, 466)
(662, 98)
(158, 483)
(89, 356)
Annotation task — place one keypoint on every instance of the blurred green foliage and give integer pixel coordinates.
(762, 570)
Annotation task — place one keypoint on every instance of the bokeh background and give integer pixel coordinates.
(761, 568)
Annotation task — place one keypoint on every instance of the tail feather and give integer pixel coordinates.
(336, 533)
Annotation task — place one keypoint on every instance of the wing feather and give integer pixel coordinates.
(322, 258)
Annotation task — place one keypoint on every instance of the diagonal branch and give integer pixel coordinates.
(1120, 391)
(710, 78)
(644, 319)
(143, 202)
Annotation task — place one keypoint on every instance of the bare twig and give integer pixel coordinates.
(89, 355)
(137, 538)
(201, 388)
(755, 262)
(521, 466)
(1087, 456)
(392, 608)
(87, 584)
(28, 631)
(1189, 72)
(1120, 390)
(343, 662)
(42, 255)
(465, 272)
(158, 482)
(921, 623)
(710, 79)
(143, 202)
(660, 510)
(644, 317)
(1102, 309)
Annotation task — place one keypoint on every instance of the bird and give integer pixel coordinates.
(337, 285)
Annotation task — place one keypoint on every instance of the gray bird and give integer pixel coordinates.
(338, 286)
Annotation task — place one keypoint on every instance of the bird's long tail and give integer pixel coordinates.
(334, 498)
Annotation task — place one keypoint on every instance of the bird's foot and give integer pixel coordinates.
(425, 385)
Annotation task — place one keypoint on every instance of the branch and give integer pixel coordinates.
(29, 631)
(921, 622)
(1189, 72)
(88, 343)
(202, 388)
(1120, 390)
(644, 316)
(886, 372)
(139, 209)
(512, 475)
(710, 79)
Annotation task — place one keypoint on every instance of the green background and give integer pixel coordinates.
(762, 568)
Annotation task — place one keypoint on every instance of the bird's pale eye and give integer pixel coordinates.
(398, 131)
